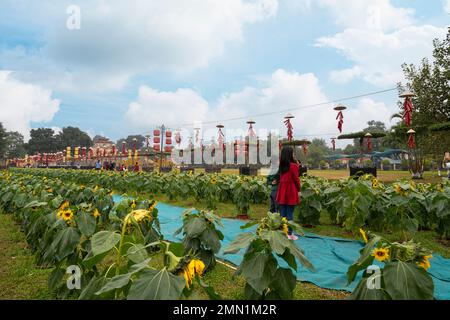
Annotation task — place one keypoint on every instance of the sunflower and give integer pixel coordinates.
(140, 215)
(67, 215)
(381, 254)
(64, 206)
(213, 180)
(152, 206)
(425, 263)
(194, 267)
(96, 213)
(397, 188)
(49, 190)
(133, 204)
(363, 234)
(439, 187)
(285, 229)
(375, 183)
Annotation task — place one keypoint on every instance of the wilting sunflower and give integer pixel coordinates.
(363, 234)
(425, 263)
(381, 254)
(140, 215)
(194, 267)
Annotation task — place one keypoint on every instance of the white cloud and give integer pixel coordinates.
(346, 75)
(155, 107)
(447, 6)
(377, 38)
(379, 55)
(282, 90)
(120, 39)
(22, 104)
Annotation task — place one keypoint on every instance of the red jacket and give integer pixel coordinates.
(289, 187)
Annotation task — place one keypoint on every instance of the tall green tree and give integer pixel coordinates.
(3, 142)
(430, 81)
(317, 151)
(15, 145)
(42, 140)
(73, 137)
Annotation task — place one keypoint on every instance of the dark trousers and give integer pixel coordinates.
(287, 212)
(273, 202)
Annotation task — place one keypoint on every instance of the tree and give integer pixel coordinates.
(130, 143)
(42, 140)
(317, 151)
(3, 142)
(430, 81)
(15, 145)
(431, 84)
(73, 137)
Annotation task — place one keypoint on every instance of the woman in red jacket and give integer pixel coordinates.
(289, 186)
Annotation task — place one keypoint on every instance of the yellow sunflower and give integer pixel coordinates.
(425, 263)
(96, 213)
(363, 234)
(133, 204)
(140, 215)
(285, 229)
(67, 215)
(381, 254)
(152, 206)
(194, 267)
(64, 206)
(397, 188)
(375, 183)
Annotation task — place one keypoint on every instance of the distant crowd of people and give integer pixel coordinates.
(111, 166)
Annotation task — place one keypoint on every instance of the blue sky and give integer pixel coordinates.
(135, 64)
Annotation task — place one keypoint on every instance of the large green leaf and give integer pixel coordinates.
(137, 253)
(277, 240)
(284, 283)
(122, 280)
(104, 241)
(362, 292)
(157, 285)
(406, 281)
(86, 223)
(65, 242)
(258, 269)
(242, 241)
(194, 227)
(298, 253)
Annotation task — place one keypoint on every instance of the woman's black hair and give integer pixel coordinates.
(287, 156)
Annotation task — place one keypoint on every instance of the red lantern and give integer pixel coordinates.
(178, 138)
(220, 138)
(407, 107)
(290, 128)
(340, 116)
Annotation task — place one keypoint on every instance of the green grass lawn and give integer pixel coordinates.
(19, 276)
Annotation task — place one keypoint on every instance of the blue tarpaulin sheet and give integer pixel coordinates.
(331, 257)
